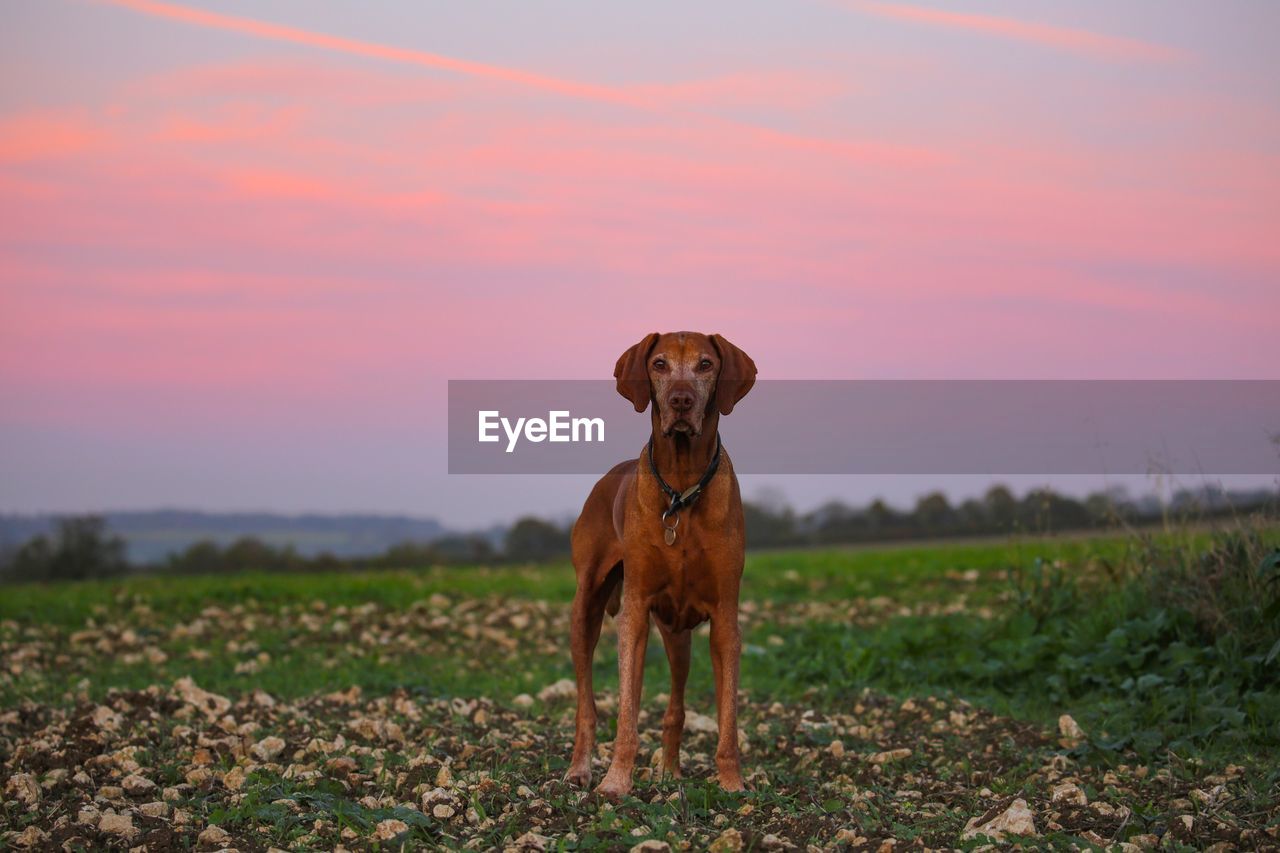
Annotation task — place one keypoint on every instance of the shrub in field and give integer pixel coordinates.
(1231, 588)
(1177, 648)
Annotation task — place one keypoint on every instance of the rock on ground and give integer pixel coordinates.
(118, 824)
(210, 704)
(136, 785)
(105, 718)
(729, 841)
(267, 748)
(695, 722)
(23, 788)
(1015, 820)
(891, 755)
(32, 836)
(651, 845)
(562, 689)
(530, 841)
(1069, 793)
(214, 835)
(1070, 730)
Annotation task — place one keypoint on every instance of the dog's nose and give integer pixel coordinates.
(681, 401)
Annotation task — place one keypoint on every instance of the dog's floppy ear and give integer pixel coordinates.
(737, 374)
(632, 372)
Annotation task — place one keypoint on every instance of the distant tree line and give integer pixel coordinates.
(79, 547)
(82, 547)
(773, 524)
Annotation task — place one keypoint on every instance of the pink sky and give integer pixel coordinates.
(245, 244)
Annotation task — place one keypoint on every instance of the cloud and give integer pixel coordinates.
(788, 89)
(293, 35)
(752, 87)
(308, 79)
(1098, 45)
(506, 197)
(45, 134)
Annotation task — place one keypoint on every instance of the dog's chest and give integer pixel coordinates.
(680, 582)
(679, 565)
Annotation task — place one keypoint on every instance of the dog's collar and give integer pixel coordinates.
(682, 500)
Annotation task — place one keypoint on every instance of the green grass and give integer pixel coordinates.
(897, 577)
(905, 573)
(1039, 627)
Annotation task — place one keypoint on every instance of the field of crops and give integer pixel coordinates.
(1053, 692)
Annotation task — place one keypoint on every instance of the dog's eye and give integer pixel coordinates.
(705, 364)
(659, 364)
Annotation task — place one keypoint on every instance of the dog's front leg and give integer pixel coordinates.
(677, 643)
(633, 637)
(588, 613)
(726, 650)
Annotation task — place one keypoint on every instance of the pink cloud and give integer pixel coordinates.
(702, 196)
(229, 123)
(1083, 42)
(784, 88)
(291, 79)
(45, 134)
(278, 32)
(792, 90)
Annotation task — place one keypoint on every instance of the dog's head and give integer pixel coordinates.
(686, 375)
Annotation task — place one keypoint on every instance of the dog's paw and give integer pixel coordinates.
(731, 782)
(579, 776)
(613, 790)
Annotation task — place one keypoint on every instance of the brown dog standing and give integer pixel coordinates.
(673, 519)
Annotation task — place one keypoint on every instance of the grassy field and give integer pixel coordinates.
(897, 694)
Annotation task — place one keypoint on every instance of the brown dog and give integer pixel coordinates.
(673, 519)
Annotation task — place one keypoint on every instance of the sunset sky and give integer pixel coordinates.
(245, 244)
